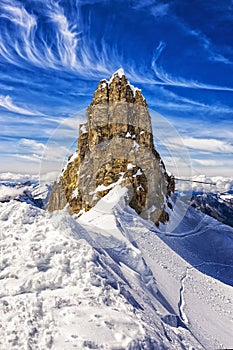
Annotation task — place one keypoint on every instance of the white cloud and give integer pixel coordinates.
(36, 151)
(159, 10)
(203, 129)
(207, 44)
(208, 145)
(7, 103)
(173, 101)
(66, 36)
(19, 16)
(32, 158)
(16, 177)
(189, 105)
(55, 153)
(32, 145)
(208, 162)
(222, 184)
(24, 41)
(157, 53)
(166, 79)
(138, 4)
(216, 162)
(8, 193)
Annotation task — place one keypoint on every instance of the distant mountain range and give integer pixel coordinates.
(219, 206)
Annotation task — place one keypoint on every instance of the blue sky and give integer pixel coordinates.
(180, 53)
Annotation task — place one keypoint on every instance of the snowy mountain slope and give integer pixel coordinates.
(108, 280)
(219, 206)
(203, 303)
(40, 192)
(202, 241)
(63, 287)
(197, 243)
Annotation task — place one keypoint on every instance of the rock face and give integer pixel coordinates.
(115, 146)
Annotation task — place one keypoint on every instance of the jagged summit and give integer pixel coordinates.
(118, 88)
(120, 72)
(115, 146)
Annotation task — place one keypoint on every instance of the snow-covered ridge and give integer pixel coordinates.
(226, 197)
(111, 280)
(65, 285)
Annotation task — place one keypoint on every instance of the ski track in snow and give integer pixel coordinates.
(61, 289)
(195, 296)
(181, 304)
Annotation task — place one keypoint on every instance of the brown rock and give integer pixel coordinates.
(116, 146)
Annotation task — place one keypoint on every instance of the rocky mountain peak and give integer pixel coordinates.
(115, 146)
(118, 89)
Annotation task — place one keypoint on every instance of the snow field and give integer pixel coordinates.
(58, 292)
(109, 280)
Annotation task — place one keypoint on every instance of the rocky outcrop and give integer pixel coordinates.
(115, 146)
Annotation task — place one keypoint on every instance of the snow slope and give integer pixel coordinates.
(189, 257)
(203, 302)
(110, 280)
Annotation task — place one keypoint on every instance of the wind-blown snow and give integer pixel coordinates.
(110, 280)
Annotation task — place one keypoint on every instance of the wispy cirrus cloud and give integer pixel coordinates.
(30, 150)
(34, 158)
(160, 10)
(30, 39)
(212, 51)
(209, 162)
(156, 8)
(33, 145)
(164, 78)
(209, 145)
(157, 52)
(33, 150)
(170, 100)
(189, 106)
(7, 103)
(51, 39)
(18, 15)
